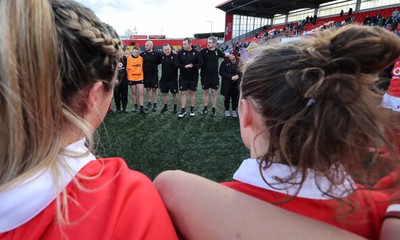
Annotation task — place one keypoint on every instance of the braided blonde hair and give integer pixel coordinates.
(88, 51)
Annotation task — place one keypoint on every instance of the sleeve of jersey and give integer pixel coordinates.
(122, 204)
(387, 185)
(178, 63)
(221, 54)
(142, 212)
(223, 71)
(159, 59)
(199, 62)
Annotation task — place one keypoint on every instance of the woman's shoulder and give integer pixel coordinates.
(115, 168)
(107, 187)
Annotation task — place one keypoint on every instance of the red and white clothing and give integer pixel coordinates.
(107, 200)
(391, 99)
(393, 211)
(387, 185)
(312, 202)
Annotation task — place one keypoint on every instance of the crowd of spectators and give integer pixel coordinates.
(390, 22)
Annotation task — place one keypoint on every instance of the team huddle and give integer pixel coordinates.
(140, 71)
(323, 158)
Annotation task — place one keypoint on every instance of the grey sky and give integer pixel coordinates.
(173, 18)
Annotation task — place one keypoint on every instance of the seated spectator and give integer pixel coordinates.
(395, 14)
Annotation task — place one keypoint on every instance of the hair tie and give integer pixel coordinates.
(310, 102)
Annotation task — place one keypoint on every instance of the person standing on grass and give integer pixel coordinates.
(169, 77)
(189, 61)
(134, 68)
(151, 60)
(51, 185)
(209, 74)
(230, 73)
(121, 88)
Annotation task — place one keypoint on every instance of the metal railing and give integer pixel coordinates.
(244, 36)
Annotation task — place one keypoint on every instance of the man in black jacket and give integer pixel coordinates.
(209, 73)
(151, 59)
(169, 77)
(189, 61)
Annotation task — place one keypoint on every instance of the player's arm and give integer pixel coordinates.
(178, 61)
(199, 62)
(202, 209)
(221, 54)
(391, 223)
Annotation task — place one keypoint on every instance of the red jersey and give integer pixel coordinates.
(110, 202)
(387, 185)
(365, 220)
(394, 87)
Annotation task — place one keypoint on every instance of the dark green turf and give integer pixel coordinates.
(207, 146)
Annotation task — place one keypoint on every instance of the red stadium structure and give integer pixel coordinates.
(246, 21)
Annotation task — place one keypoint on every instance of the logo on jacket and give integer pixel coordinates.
(396, 72)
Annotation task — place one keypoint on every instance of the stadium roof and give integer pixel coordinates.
(266, 8)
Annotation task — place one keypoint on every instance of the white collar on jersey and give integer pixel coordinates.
(249, 173)
(27, 199)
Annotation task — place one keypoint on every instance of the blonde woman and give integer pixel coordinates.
(51, 185)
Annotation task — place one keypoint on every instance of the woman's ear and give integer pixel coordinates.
(245, 113)
(254, 134)
(97, 101)
(94, 95)
(246, 122)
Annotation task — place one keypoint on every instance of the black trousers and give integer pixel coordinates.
(121, 94)
(232, 96)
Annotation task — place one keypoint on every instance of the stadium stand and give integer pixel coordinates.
(270, 9)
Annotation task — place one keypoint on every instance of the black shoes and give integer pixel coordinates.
(182, 114)
(164, 109)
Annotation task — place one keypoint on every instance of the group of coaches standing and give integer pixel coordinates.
(140, 70)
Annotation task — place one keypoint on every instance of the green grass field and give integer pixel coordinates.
(152, 143)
